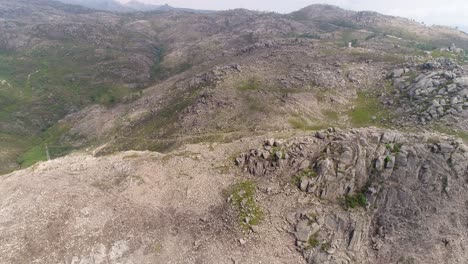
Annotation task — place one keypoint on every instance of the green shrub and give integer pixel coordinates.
(387, 159)
(325, 246)
(353, 201)
(394, 148)
(313, 241)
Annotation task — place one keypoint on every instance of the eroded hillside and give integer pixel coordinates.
(320, 136)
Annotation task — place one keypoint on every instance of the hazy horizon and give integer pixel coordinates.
(431, 12)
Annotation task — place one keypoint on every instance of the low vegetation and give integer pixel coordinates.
(301, 123)
(43, 85)
(393, 148)
(251, 84)
(355, 200)
(49, 142)
(453, 132)
(242, 196)
(331, 116)
(313, 241)
(368, 111)
(308, 173)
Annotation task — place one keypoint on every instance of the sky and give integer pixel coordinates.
(448, 12)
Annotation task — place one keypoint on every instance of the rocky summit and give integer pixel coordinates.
(136, 133)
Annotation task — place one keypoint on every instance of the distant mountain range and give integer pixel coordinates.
(115, 6)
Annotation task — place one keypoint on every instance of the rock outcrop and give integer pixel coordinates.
(411, 189)
(433, 90)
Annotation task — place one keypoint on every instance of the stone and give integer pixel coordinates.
(242, 241)
(265, 154)
(397, 73)
(240, 161)
(431, 65)
(451, 88)
(462, 81)
(278, 155)
(270, 142)
(401, 159)
(305, 164)
(440, 111)
(85, 211)
(315, 227)
(452, 111)
(320, 135)
(303, 231)
(347, 156)
(254, 228)
(433, 113)
(390, 162)
(454, 100)
(303, 184)
(388, 137)
(452, 47)
(278, 143)
(445, 148)
(449, 75)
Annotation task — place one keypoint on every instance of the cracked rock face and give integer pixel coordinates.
(414, 188)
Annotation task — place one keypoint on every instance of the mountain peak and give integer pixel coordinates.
(321, 10)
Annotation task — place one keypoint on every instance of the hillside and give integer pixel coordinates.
(359, 196)
(109, 59)
(320, 136)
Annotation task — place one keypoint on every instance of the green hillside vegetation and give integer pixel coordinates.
(41, 87)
